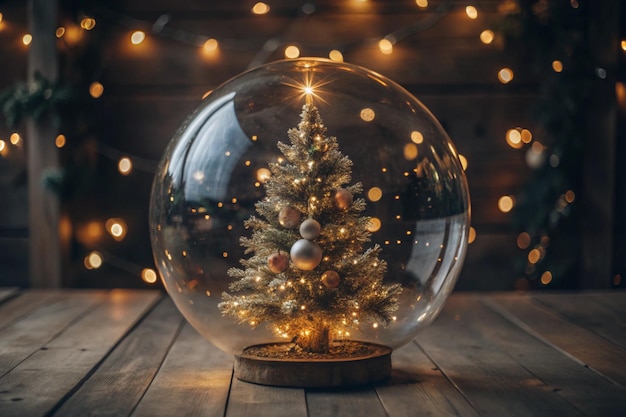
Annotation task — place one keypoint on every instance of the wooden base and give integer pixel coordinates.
(313, 373)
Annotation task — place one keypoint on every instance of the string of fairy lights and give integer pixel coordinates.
(138, 31)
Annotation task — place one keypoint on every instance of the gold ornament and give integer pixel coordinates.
(330, 279)
(289, 217)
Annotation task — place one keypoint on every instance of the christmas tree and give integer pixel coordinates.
(309, 278)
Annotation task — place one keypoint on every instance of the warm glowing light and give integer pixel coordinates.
(3, 146)
(260, 8)
(385, 46)
(93, 260)
(471, 12)
(90, 233)
(367, 114)
(557, 66)
(88, 23)
(534, 256)
(1, 17)
(526, 136)
(514, 138)
(292, 52)
(27, 39)
(570, 196)
(463, 161)
(15, 139)
(523, 240)
(117, 228)
(505, 75)
(623, 43)
(471, 235)
(374, 194)
(60, 32)
(421, 3)
(263, 174)
(374, 225)
(210, 45)
(96, 89)
(410, 151)
(417, 137)
(546, 278)
(506, 203)
(73, 34)
(125, 166)
(137, 37)
(486, 36)
(60, 141)
(335, 55)
(148, 275)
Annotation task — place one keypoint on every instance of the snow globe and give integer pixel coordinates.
(309, 217)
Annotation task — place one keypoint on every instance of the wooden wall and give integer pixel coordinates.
(150, 88)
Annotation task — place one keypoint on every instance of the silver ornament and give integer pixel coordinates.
(310, 229)
(305, 255)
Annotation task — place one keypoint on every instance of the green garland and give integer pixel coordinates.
(35, 100)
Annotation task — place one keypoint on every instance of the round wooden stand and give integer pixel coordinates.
(313, 373)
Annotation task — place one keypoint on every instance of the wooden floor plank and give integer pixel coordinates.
(33, 330)
(582, 344)
(418, 388)
(487, 375)
(263, 401)
(24, 303)
(117, 385)
(345, 403)
(614, 300)
(196, 374)
(37, 384)
(588, 391)
(590, 313)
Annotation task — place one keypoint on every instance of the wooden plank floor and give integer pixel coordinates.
(130, 353)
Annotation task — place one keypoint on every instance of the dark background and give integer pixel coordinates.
(577, 114)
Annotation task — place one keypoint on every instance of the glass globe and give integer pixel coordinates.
(220, 165)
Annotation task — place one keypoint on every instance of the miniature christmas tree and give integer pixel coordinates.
(309, 277)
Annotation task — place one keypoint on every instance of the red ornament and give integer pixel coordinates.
(278, 262)
(343, 198)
